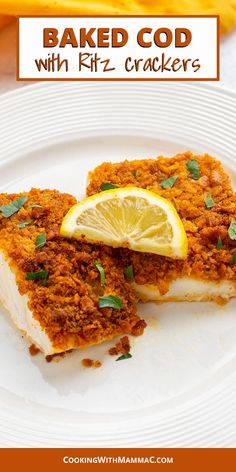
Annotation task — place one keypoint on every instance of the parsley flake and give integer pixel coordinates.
(209, 201)
(232, 230)
(234, 256)
(102, 273)
(35, 205)
(14, 207)
(129, 272)
(110, 301)
(41, 275)
(169, 183)
(219, 244)
(40, 241)
(23, 224)
(193, 168)
(108, 186)
(124, 356)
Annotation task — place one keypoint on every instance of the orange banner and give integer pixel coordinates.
(176, 460)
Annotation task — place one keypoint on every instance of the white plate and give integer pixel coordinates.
(179, 388)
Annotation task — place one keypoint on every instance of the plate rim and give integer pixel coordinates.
(44, 86)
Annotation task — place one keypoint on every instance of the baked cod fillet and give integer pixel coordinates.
(51, 286)
(201, 192)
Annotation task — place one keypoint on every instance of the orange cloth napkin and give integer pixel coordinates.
(225, 8)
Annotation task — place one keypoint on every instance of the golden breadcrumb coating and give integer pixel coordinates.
(203, 226)
(67, 307)
(91, 363)
(121, 347)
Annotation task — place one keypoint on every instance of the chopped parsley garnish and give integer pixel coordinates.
(102, 273)
(35, 205)
(232, 230)
(108, 186)
(14, 207)
(110, 301)
(129, 272)
(41, 275)
(124, 356)
(209, 202)
(23, 224)
(168, 183)
(193, 169)
(219, 243)
(234, 256)
(40, 241)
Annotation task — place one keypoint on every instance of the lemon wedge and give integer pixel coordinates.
(128, 217)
